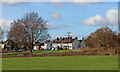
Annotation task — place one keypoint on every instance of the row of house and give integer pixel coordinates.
(62, 42)
(68, 43)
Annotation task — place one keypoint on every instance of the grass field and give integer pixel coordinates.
(61, 63)
(35, 52)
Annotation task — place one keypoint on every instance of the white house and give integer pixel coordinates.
(69, 43)
(47, 45)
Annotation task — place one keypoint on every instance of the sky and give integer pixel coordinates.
(81, 19)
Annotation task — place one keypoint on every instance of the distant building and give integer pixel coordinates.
(82, 43)
(48, 45)
(69, 43)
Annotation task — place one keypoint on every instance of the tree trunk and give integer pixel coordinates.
(31, 48)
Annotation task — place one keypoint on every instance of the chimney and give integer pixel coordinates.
(76, 37)
(82, 38)
(67, 37)
(57, 38)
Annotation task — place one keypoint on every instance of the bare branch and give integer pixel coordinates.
(29, 29)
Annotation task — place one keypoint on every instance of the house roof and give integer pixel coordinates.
(63, 40)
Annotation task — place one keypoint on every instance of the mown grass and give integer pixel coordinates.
(51, 51)
(12, 54)
(61, 63)
(36, 52)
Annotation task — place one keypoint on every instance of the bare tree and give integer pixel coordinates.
(103, 38)
(29, 29)
(1, 34)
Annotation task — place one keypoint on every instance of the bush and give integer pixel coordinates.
(83, 49)
(98, 51)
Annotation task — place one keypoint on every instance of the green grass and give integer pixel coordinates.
(61, 63)
(36, 52)
(12, 54)
(51, 51)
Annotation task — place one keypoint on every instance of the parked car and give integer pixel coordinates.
(64, 48)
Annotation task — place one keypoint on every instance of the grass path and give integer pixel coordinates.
(61, 63)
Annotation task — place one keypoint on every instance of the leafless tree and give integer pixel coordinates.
(31, 28)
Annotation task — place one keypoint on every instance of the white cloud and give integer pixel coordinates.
(111, 18)
(5, 24)
(51, 26)
(55, 15)
(56, 4)
(11, 3)
(85, 35)
(14, 2)
(86, 1)
(63, 25)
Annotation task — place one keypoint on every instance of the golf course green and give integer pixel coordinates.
(61, 63)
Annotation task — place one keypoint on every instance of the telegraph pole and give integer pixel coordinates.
(68, 34)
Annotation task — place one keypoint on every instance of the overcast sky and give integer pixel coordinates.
(79, 18)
